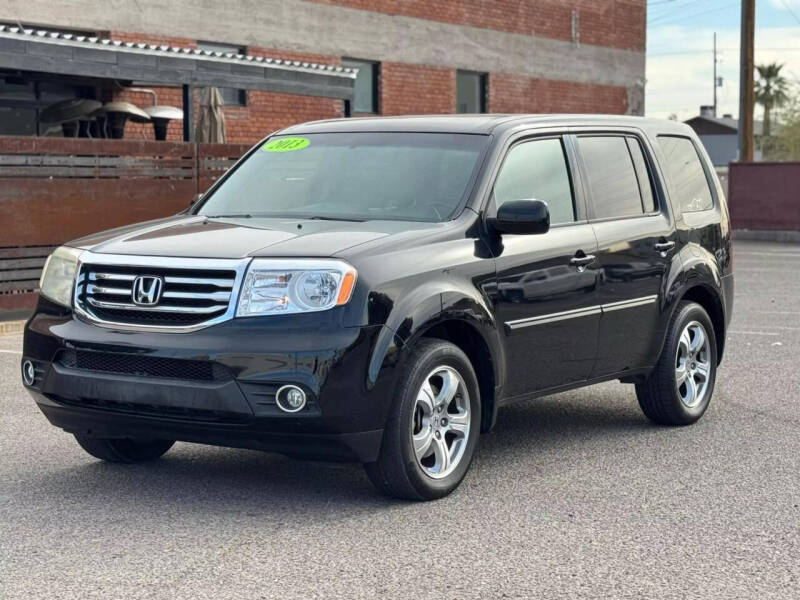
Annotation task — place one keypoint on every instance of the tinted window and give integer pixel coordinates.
(537, 170)
(362, 176)
(685, 171)
(611, 176)
(642, 174)
(365, 94)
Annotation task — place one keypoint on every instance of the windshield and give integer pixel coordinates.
(352, 176)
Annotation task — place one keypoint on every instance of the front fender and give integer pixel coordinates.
(425, 308)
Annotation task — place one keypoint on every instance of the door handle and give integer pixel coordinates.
(582, 261)
(664, 246)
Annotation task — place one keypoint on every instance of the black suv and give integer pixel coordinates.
(374, 290)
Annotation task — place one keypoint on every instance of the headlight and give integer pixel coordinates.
(58, 275)
(280, 287)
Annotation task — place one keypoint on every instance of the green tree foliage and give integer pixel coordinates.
(785, 144)
(771, 91)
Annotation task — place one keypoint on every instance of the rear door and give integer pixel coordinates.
(636, 242)
(546, 289)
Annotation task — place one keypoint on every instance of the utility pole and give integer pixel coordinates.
(746, 82)
(715, 74)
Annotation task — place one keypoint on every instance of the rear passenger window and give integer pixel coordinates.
(613, 182)
(689, 181)
(642, 174)
(537, 170)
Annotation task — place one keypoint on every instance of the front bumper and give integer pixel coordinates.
(215, 386)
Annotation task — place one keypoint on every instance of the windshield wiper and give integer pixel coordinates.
(319, 218)
(240, 216)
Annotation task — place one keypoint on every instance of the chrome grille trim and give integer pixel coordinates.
(220, 283)
(111, 276)
(189, 310)
(216, 293)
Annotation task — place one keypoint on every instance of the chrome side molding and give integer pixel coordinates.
(580, 312)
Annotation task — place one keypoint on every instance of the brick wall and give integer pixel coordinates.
(517, 94)
(421, 89)
(616, 23)
(414, 89)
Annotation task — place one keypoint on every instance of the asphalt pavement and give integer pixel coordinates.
(573, 496)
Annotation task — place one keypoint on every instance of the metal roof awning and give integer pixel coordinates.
(82, 56)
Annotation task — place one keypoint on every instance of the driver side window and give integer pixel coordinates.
(537, 170)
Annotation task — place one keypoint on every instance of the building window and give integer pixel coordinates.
(230, 96)
(470, 92)
(365, 96)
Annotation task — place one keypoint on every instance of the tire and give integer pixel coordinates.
(685, 364)
(399, 472)
(124, 450)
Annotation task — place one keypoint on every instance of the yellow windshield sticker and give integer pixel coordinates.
(286, 144)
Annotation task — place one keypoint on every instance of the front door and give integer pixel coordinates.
(546, 297)
(636, 244)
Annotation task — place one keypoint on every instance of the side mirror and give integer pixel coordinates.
(521, 216)
(195, 199)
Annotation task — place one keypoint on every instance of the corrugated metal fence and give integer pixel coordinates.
(56, 189)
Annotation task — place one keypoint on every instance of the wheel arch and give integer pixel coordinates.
(711, 300)
(462, 319)
(467, 337)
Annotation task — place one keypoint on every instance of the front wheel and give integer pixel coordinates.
(679, 389)
(433, 429)
(124, 450)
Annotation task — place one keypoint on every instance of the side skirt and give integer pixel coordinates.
(627, 376)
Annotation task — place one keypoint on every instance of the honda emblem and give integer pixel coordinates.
(147, 290)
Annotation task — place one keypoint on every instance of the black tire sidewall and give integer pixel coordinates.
(440, 354)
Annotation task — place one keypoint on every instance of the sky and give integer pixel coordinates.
(680, 58)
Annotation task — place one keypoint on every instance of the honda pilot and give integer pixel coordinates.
(375, 290)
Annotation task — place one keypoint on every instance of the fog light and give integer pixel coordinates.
(290, 398)
(28, 373)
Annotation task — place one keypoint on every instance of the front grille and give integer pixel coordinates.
(190, 295)
(144, 366)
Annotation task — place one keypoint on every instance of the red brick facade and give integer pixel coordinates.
(516, 94)
(421, 89)
(414, 89)
(615, 23)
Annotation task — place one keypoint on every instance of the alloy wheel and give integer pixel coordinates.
(693, 364)
(441, 423)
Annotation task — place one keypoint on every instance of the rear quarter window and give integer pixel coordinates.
(689, 183)
(613, 178)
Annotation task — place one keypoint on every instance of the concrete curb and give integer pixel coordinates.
(9, 327)
(761, 235)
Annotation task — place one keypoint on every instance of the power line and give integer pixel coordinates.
(668, 20)
(665, 10)
(758, 49)
(791, 12)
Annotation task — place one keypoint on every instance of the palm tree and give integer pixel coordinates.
(771, 90)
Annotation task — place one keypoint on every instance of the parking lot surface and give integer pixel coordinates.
(573, 496)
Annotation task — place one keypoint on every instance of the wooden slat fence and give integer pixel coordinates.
(56, 189)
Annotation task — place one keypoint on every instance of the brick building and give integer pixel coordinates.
(413, 56)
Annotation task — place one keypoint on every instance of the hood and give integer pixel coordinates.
(198, 237)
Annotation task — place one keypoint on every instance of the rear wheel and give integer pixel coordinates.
(433, 429)
(124, 450)
(679, 389)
